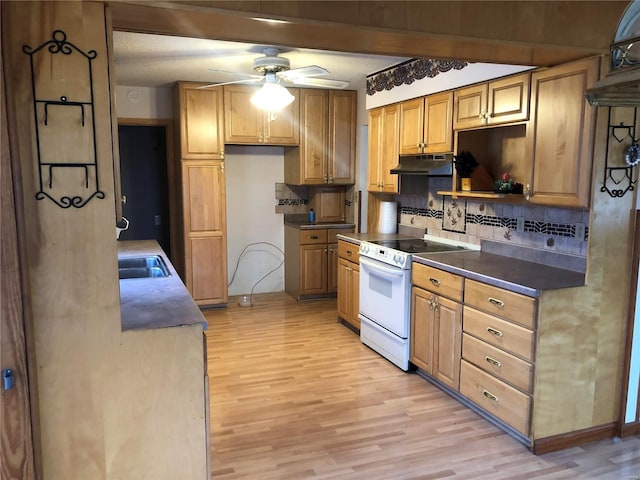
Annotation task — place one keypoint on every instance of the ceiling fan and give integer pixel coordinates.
(273, 69)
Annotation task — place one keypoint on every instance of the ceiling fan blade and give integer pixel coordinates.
(246, 81)
(319, 82)
(216, 70)
(308, 71)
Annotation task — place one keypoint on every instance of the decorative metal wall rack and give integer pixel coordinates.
(68, 190)
(618, 180)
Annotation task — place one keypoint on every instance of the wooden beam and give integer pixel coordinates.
(521, 33)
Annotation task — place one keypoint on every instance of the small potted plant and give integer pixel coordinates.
(505, 184)
(465, 163)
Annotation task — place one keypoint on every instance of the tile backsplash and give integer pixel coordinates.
(291, 199)
(561, 230)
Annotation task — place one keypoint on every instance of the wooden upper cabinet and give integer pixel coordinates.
(245, 124)
(560, 139)
(342, 137)
(505, 100)
(200, 112)
(426, 124)
(383, 148)
(327, 139)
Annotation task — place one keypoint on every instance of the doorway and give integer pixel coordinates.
(144, 182)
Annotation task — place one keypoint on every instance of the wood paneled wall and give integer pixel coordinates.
(112, 404)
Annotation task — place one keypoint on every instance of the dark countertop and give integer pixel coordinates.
(147, 303)
(356, 238)
(305, 225)
(527, 278)
(520, 276)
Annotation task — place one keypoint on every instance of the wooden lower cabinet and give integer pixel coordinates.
(205, 240)
(436, 329)
(498, 398)
(498, 351)
(436, 323)
(311, 261)
(348, 283)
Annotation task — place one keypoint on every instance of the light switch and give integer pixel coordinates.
(156, 220)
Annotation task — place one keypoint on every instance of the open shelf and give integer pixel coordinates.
(511, 197)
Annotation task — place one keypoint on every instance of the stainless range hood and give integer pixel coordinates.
(432, 165)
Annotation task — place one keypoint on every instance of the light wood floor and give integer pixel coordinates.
(295, 395)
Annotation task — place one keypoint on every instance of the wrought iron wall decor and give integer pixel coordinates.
(408, 72)
(618, 180)
(48, 158)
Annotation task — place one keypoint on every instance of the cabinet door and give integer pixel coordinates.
(332, 268)
(242, 121)
(344, 289)
(508, 99)
(470, 106)
(448, 342)
(422, 323)
(355, 295)
(438, 127)
(390, 150)
(411, 135)
(201, 121)
(374, 150)
(313, 143)
(342, 137)
(560, 140)
(204, 216)
(283, 128)
(313, 269)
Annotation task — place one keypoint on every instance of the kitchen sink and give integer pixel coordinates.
(142, 267)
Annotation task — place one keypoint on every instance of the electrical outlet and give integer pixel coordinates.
(520, 224)
(580, 231)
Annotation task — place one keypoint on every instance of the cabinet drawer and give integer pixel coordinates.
(503, 303)
(311, 237)
(497, 362)
(332, 234)
(500, 333)
(496, 397)
(437, 281)
(348, 251)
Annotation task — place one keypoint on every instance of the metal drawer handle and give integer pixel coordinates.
(349, 252)
(490, 396)
(312, 237)
(496, 302)
(435, 281)
(493, 361)
(495, 332)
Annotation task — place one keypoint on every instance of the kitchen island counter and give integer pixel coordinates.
(520, 276)
(148, 303)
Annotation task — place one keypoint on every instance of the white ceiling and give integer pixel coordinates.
(147, 60)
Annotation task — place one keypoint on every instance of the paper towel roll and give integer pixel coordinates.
(388, 219)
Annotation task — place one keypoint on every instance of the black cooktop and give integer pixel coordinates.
(418, 245)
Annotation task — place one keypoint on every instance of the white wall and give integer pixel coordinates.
(252, 172)
(144, 102)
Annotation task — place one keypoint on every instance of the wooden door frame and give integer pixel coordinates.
(173, 183)
(630, 428)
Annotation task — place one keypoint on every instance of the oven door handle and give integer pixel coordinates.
(381, 269)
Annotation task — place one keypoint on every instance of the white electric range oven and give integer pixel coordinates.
(385, 293)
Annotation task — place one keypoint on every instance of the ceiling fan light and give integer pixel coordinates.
(272, 97)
